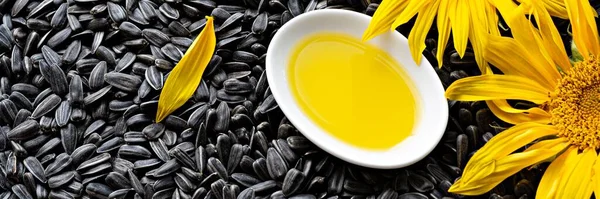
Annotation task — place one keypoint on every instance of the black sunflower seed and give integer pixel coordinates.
(295, 6)
(276, 165)
(155, 37)
(55, 77)
(420, 183)
(160, 150)
(21, 192)
(83, 153)
(63, 113)
(24, 130)
(182, 156)
(125, 82)
(116, 12)
(98, 190)
(72, 53)
(125, 62)
(47, 147)
(130, 29)
(293, 182)
(95, 161)
(336, 180)
(184, 183)
(60, 179)
(215, 166)
(168, 11)
(34, 166)
(167, 168)
(26, 89)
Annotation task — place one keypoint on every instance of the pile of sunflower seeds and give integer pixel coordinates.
(79, 86)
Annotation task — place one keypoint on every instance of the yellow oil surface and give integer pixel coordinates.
(353, 90)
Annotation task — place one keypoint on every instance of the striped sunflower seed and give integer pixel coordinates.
(34, 166)
(125, 82)
(54, 75)
(116, 12)
(71, 53)
(155, 37)
(154, 78)
(60, 179)
(24, 131)
(63, 113)
(83, 153)
(168, 11)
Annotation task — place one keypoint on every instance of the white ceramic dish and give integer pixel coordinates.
(433, 110)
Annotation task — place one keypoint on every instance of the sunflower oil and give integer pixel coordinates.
(353, 90)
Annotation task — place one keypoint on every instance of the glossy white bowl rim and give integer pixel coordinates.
(433, 107)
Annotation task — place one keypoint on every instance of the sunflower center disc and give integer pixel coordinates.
(576, 108)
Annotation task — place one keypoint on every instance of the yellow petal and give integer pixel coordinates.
(459, 17)
(492, 87)
(416, 38)
(478, 33)
(506, 9)
(556, 8)
(509, 141)
(585, 33)
(514, 58)
(596, 177)
(549, 144)
(507, 113)
(384, 17)
(486, 175)
(443, 25)
(521, 28)
(553, 175)
(492, 17)
(552, 41)
(185, 77)
(411, 10)
(527, 35)
(578, 184)
(492, 163)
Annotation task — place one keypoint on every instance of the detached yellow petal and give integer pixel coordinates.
(493, 87)
(507, 113)
(384, 17)
(185, 77)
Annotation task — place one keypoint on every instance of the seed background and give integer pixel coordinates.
(79, 85)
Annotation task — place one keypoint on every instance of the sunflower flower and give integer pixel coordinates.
(469, 20)
(563, 127)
